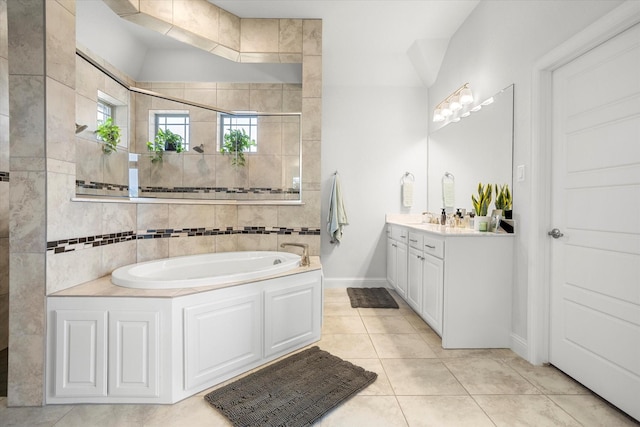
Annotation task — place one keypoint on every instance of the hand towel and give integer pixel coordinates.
(448, 195)
(407, 194)
(337, 218)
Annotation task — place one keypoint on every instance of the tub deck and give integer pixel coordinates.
(104, 287)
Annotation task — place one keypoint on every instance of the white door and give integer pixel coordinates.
(595, 264)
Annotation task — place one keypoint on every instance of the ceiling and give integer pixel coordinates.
(376, 43)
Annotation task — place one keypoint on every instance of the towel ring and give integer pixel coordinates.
(407, 177)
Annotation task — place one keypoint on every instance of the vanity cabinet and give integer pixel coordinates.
(397, 252)
(459, 282)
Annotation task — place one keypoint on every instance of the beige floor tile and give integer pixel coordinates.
(402, 311)
(431, 338)
(339, 308)
(547, 379)
(388, 325)
(365, 411)
(348, 346)
(192, 412)
(418, 323)
(343, 325)
(401, 346)
(104, 415)
(421, 377)
(488, 376)
(438, 411)
(522, 411)
(592, 411)
(477, 353)
(336, 295)
(381, 386)
(31, 416)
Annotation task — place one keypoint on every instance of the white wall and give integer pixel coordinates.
(498, 45)
(371, 136)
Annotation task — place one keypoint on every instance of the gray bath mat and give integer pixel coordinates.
(295, 391)
(371, 298)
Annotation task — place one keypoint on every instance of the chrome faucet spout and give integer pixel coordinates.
(304, 261)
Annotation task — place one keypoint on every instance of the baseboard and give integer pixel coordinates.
(519, 346)
(355, 283)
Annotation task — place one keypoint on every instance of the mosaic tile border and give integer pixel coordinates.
(93, 185)
(4, 176)
(74, 244)
(227, 190)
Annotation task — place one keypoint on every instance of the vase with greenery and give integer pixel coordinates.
(504, 200)
(109, 133)
(235, 143)
(165, 140)
(481, 206)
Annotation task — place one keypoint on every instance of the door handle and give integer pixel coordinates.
(555, 233)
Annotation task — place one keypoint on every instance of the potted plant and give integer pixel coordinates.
(109, 133)
(165, 140)
(481, 206)
(504, 201)
(236, 142)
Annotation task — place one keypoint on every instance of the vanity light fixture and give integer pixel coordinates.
(453, 103)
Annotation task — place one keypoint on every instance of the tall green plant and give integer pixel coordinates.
(504, 200)
(482, 202)
(235, 143)
(109, 133)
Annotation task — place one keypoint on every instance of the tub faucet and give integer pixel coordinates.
(304, 262)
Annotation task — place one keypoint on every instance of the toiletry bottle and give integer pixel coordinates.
(443, 217)
(471, 219)
(458, 218)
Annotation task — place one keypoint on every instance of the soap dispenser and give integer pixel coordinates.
(443, 217)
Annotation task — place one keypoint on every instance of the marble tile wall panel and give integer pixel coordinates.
(259, 35)
(68, 269)
(61, 112)
(27, 135)
(4, 210)
(4, 143)
(200, 17)
(229, 30)
(27, 220)
(26, 41)
(60, 54)
(290, 37)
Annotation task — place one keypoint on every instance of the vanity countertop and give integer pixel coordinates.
(414, 222)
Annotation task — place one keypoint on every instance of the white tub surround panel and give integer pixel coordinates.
(109, 344)
(458, 280)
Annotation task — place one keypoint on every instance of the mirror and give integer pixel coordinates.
(272, 170)
(478, 148)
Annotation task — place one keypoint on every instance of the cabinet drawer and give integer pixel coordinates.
(415, 240)
(400, 234)
(433, 246)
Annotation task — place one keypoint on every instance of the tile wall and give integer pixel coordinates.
(4, 179)
(49, 234)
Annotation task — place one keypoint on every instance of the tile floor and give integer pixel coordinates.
(419, 384)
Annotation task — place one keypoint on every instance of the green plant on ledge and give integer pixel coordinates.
(504, 200)
(481, 204)
(236, 142)
(109, 133)
(165, 140)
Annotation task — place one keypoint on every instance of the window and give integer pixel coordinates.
(105, 111)
(177, 123)
(248, 123)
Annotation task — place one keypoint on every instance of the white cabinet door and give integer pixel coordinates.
(80, 353)
(432, 296)
(414, 279)
(391, 262)
(293, 315)
(133, 354)
(220, 337)
(401, 269)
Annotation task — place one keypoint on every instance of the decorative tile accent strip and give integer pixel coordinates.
(100, 185)
(228, 190)
(4, 176)
(69, 245)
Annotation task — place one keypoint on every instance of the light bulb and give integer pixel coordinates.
(466, 97)
(437, 115)
(445, 111)
(488, 102)
(455, 104)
